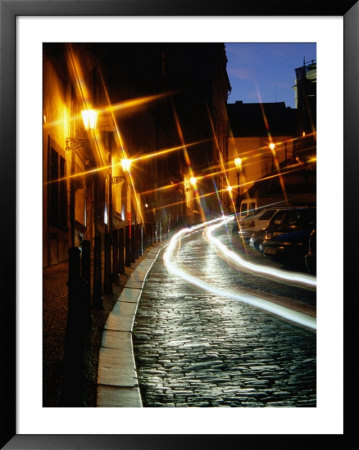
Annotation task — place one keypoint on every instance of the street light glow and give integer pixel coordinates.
(193, 181)
(126, 164)
(89, 117)
(238, 162)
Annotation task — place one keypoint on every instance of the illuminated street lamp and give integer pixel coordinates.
(193, 181)
(126, 164)
(229, 188)
(238, 164)
(272, 147)
(89, 118)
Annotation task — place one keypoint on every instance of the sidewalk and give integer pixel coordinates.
(55, 305)
(117, 382)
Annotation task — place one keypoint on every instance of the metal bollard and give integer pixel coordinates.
(138, 241)
(73, 353)
(74, 289)
(107, 288)
(128, 247)
(97, 278)
(141, 240)
(115, 256)
(121, 250)
(152, 233)
(155, 238)
(149, 234)
(86, 282)
(144, 236)
(133, 244)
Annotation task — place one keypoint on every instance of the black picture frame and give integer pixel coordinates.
(9, 10)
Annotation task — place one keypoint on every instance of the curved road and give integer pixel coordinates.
(196, 348)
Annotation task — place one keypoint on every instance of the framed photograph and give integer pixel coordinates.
(124, 83)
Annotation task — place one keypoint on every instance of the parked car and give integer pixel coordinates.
(311, 256)
(239, 219)
(257, 237)
(287, 235)
(255, 230)
(255, 222)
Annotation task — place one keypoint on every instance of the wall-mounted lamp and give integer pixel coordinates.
(126, 164)
(238, 162)
(89, 118)
(272, 146)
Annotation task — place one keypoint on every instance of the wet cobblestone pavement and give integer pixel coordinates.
(194, 348)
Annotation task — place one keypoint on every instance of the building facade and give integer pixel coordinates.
(160, 119)
(262, 135)
(305, 89)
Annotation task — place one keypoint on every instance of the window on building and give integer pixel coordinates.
(57, 189)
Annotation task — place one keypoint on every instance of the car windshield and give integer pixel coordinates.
(302, 217)
(294, 218)
(278, 218)
(267, 214)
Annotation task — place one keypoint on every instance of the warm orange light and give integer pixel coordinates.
(272, 145)
(126, 164)
(193, 181)
(89, 117)
(168, 150)
(238, 162)
(229, 188)
(208, 194)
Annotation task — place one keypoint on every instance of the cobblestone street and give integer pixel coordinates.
(194, 348)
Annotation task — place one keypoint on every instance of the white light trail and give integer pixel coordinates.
(295, 278)
(274, 308)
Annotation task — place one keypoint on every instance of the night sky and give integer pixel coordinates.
(266, 71)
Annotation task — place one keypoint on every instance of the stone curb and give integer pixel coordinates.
(117, 382)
